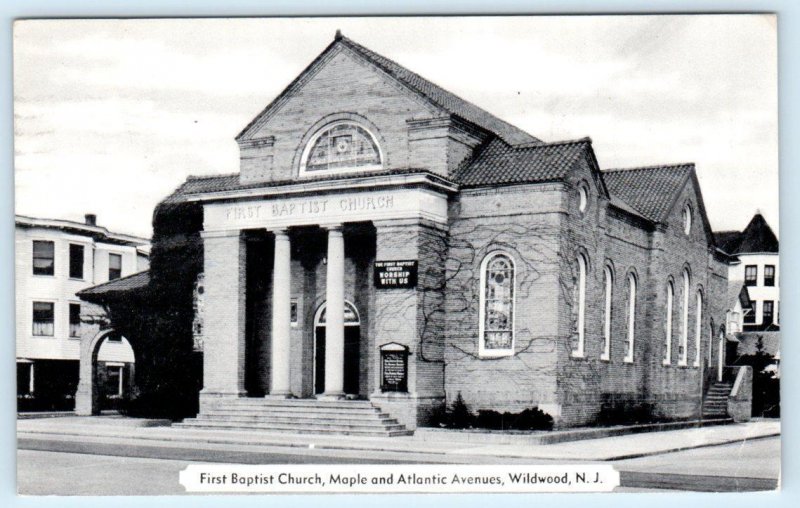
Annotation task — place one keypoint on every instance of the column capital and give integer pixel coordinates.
(227, 233)
(331, 227)
(282, 231)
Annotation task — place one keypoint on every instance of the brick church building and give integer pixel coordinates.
(386, 240)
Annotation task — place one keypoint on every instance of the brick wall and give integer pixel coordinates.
(410, 131)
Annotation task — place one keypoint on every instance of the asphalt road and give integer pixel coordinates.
(114, 470)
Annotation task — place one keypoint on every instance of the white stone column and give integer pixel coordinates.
(334, 332)
(281, 316)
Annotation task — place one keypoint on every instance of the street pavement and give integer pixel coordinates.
(724, 458)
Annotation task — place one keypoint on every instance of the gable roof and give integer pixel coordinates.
(651, 190)
(500, 163)
(756, 237)
(435, 94)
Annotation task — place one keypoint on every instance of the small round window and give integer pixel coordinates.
(583, 197)
(687, 219)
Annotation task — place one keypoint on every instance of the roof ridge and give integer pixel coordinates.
(585, 139)
(207, 177)
(376, 59)
(654, 166)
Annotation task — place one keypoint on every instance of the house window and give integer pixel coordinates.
(769, 275)
(750, 313)
(751, 275)
(497, 305)
(581, 304)
(608, 278)
(115, 375)
(341, 146)
(698, 325)
(75, 261)
(74, 320)
(767, 312)
(114, 266)
(43, 257)
(683, 353)
(668, 325)
(43, 318)
(631, 318)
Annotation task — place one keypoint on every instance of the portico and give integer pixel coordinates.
(312, 252)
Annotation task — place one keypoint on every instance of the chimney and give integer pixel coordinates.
(90, 219)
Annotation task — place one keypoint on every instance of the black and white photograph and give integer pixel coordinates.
(394, 255)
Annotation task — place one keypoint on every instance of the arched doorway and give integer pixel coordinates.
(93, 388)
(352, 356)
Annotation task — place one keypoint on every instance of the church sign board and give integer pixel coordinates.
(394, 368)
(395, 274)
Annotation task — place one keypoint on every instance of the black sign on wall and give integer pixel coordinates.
(399, 274)
(394, 368)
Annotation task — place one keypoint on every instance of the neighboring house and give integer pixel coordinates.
(755, 265)
(387, 240)
(739, 304)
(755, 337)
(54, 260)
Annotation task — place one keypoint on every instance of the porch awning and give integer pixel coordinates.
(116, 289)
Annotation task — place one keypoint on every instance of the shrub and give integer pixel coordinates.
(625, 412)
(528, 419)
(458, 416)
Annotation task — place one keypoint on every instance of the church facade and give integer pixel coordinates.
(387, 240)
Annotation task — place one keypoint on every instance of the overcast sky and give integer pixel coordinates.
(112, 115)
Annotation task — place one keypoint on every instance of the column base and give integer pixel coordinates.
(331, 396)
(279, 395)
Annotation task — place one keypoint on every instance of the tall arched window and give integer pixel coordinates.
(497, 305)
(608, 279)
(581, 303)
(341, 147)
(683, 353)
(631, 318)
(698, 327)
(668, 325)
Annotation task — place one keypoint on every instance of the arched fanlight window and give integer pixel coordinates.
(497, 305)
(608, 278)
(668, 324)
(683, 353)
(581, 305)
(631, 318)
(698, 327)
(341, 147)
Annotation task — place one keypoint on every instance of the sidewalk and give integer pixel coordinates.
(605, 449)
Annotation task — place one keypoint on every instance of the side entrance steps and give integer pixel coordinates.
(715, 403)
(303, 416)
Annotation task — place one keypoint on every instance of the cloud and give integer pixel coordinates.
(117, 113)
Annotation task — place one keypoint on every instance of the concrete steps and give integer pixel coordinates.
(715, 403)
(298, 416)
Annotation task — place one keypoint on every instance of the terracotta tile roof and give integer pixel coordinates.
(116, 287)
(500, 163)
(649, 190)
(442, 98)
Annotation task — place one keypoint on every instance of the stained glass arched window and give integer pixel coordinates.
(497, 305)
(341, 146)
